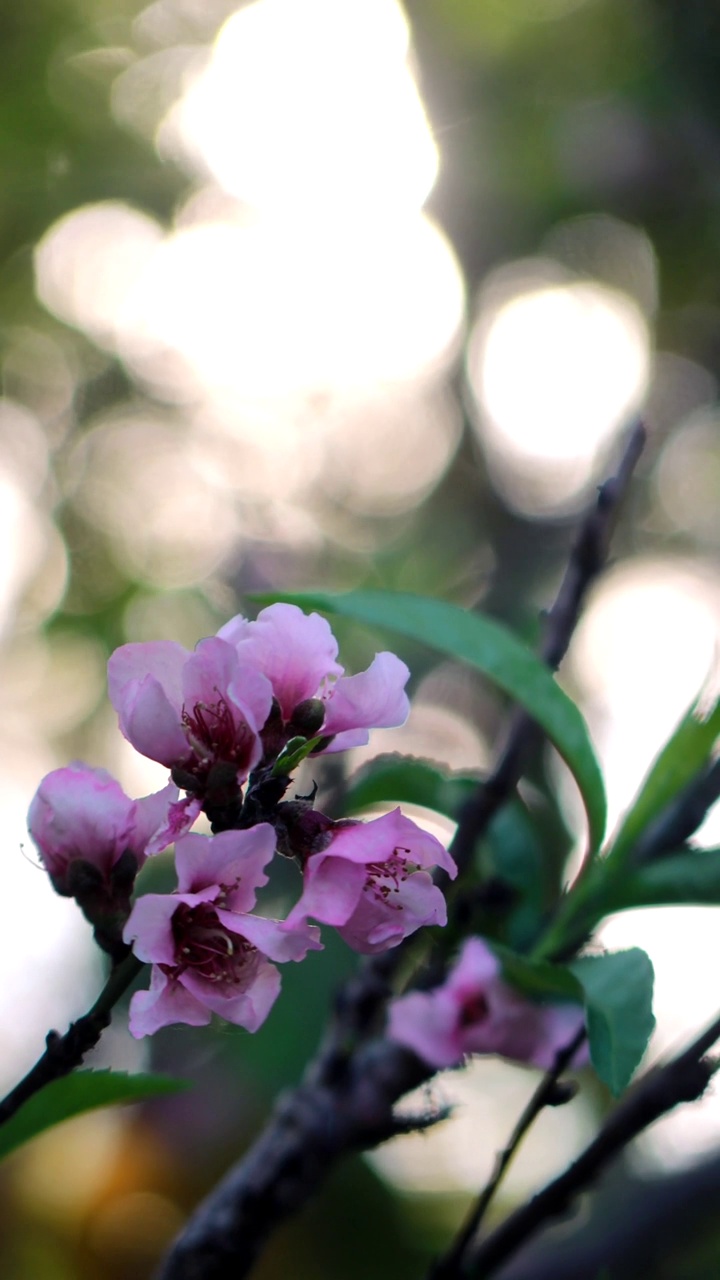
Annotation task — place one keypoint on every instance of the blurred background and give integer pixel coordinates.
(302, 293)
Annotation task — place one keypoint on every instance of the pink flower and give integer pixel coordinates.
(198, 713)
(371, 883)
(81, 815)
(208, 954)
(474, 1011)
(297, 652)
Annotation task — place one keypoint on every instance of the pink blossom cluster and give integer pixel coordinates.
(223, 719)
(475, 1012)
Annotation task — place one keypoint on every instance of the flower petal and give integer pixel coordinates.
(152, 722)
(272, 937)
(149, 925)
(331, 891)
(296, 651)
(245, 1008)
(233, 859)
(375, 698)
(150, 819)
(377, 840)
(166, 1002)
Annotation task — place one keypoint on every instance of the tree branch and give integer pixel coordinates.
(345, 1101)
(64, 1053)
(682, 1079)
(450, 1267)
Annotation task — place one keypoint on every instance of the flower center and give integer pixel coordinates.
(385, 879)
(474, 1009)
(205, 946)
(215, 736)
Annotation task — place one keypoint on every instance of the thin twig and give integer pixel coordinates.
(587, 559)
(683, 1079)
(450, 1266)
(345, 1101)
(64, 1053)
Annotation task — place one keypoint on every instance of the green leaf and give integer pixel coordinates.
(407, 780)
(690, 876)
(492, 649)
(538, 979)
(618, 991)
(679, 761)
(75, 1094)
(293, 754)
(512, 853)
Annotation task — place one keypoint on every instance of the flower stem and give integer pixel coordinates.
(64, 1053)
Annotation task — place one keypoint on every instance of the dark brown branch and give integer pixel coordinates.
(450, 1267)
(345, 1102)
(64, 1053)
(587, 559)
(683, 1079)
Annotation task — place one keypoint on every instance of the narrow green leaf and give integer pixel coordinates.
(512, 853)
(492, 649)
(690, 876)
(75, 1094)
(293, 754)
(688, 749)
(618, 991)
(404, 779)
(538, 979)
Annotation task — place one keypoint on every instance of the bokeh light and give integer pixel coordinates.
(556, 366)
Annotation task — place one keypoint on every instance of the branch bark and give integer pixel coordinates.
(683, 1079)
(64, 1053)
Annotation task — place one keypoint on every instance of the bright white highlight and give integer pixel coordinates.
(280, 310)
(310, 106)
(87, 264)
(555, 368)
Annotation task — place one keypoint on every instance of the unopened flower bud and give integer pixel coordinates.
(308, 716)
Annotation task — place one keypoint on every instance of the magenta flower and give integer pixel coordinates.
(297, 652)
(198, 713)
(208, 954)
(81, 815)
(474, 1011)
(371, 882)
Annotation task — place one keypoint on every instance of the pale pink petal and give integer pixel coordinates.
(380, 922)
(475, 1011)
(149, 927)
(251, 693)
(248, 1007)
(331, 891)
(208, 672)
(166, 1002)
(235, 630)
(150, 818)
(476, 968)
(152, 723)
(426, 1022)
(375, 698)
(272, 937)
(558, 1026)
(132, 663)
(296, 651)
(233, 860)
(180, 817)
(377, 840)
(346, 741)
